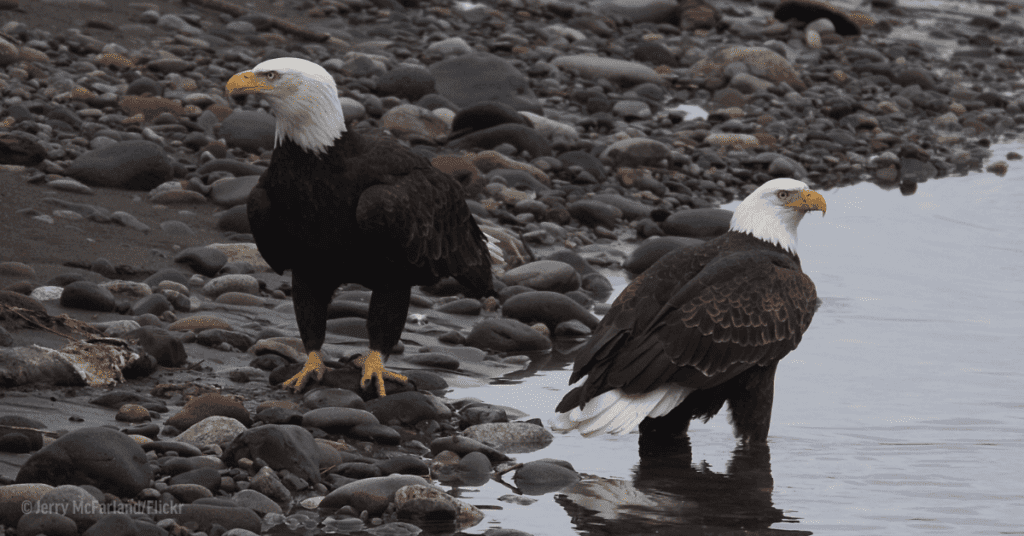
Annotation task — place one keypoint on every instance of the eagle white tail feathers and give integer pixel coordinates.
(615, 412)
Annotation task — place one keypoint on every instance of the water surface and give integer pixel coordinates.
(900, 413)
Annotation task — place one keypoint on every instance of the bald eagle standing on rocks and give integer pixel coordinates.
(340, 207)
(702, 326)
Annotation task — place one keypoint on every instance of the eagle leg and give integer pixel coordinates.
(373, 368)
(314, 367)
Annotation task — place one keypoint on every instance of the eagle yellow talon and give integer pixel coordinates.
(373, 368)
(314, 367)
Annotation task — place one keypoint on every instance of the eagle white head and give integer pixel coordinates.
(303, 98)
(773, 211)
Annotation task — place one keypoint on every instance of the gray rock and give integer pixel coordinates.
(250, 131)
(593, 213)
(522, 137)
(332, 397)
(624, 72)
(551, 275)
(406, 81)
(154, 304)
(406, 408)
(211, 431)
(232, 191)
(51, 524)
(652, 249)
(636, 152)
(206, 515)
(506, 335)
(337, 420)
(698, 223)
(87, 295)
(256, 501)
(550, 308)
(158, 342)
(544, 476)
(205, 260)
(370, 494)
(131, 165)
(511, 437)
(282, 446)
(99, 457)
(479, 77)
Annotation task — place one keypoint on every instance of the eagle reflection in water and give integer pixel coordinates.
(671, 495)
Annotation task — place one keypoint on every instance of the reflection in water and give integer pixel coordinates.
(671, 495)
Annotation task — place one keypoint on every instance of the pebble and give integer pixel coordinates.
(551, 308)
(622, 71)
(551, 275)
(477, 77)
(209, 405)
(131, 165)
(281, 446)
(211, 431)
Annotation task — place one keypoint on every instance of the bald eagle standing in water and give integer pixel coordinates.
(702, 326)
(339, 207)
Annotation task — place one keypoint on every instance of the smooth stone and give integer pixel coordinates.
(100, 457)
(462, 446)
(256, 501)
(409, 82)
(480, 77)
(249, 130)
(594, 213)
(281, 446)
(641, 10)
(625, 72)
(268, 483)
(154, 304)
(506, 335)
(206, 477)
(404, 465)
(50, 524)
(337, 420)
(74, 502)
(631, 209)
(211, 431)
(544, 476)
(205, 260)
(333, 397)
(377, 433)
(131, 165)
(551, 275)
(761, 62)
(209, 405)
(511, 437)
(550, 308)
(87, 295)
(636, 152)
(484, 115)
(13, 496)
(206, 515)
(406, 408)
(414, 124)
(370, 494)
(116, 525)
(698, 223)
(654, 248)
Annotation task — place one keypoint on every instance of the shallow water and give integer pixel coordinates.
(900, 412)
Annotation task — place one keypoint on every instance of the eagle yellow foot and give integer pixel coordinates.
(314, 367)
(373, 368)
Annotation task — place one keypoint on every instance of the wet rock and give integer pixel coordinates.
(463, 445)
(159, 343)
(370, 494)
(131, 165)
(484, 115)
(511, 437)
(406, 408)
(74, 503)
(652, 249)
(211, 431)
(698, 223)
(254, 500)
(209, 405)
(116, 525)
(594, 213)
(641, 11)
(154, 304)
(335, 420)
(281, 446)
(506, 335)
(332, 397)
(544, 476)
(377, 433)
(99, 457)
(50, 524)
(404, 465)
(550, 308)
(231, 283)
(421, 504)
(267, 483)
(206, 515)
(87, 295)
(544, 275)
(205, 260)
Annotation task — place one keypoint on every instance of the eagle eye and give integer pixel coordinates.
(782, 194)
(271, 75)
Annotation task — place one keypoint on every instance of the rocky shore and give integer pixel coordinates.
(143, 339)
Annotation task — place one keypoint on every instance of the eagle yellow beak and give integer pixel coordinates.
(809, 200)
(246, 82)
